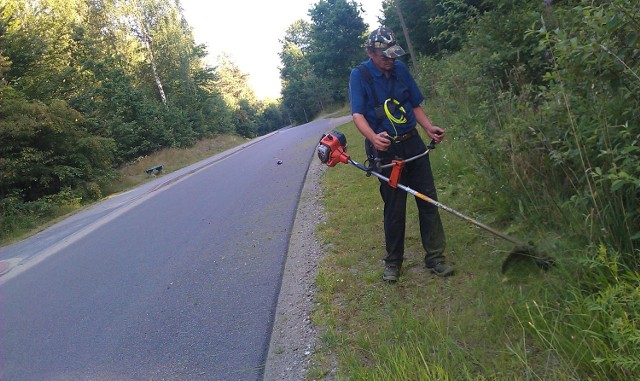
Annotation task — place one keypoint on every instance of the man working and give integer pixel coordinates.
(385, 103)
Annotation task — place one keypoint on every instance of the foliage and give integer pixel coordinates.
(18, 217)
(232, 83)
(434, 26)
(541, 101)
(593, 95)
(595, 332)
(234, 88)
(560, 107)
(337, 35)
(89, 85)
(302, 93)
(271, 118)
(418, 20)
(453, 21)
(317, 58)
(550, 113)
(45, 149)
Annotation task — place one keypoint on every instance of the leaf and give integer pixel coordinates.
(617, 185)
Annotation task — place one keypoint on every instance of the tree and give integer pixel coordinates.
(87, 85)
(295, 47)
(504, 53)
(453, 20)
(212, 111)
(405, 33)
(434, 26)
(232, 82)
(245, 118)
(337, 37)
(233, 85)
(40, 43)
(300, 92)
(45, 149)
(271, 118)
(145, 17)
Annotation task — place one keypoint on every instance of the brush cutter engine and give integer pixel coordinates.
(332, 149)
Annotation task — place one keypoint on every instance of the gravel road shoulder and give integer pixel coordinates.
(294, 336)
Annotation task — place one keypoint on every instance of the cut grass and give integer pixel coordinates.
(423, 327)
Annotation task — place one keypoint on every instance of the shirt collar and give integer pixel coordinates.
(374, 70)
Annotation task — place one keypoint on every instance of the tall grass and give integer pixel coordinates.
(594, 330)
(564, 188)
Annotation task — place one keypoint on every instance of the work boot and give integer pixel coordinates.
(391, 272)
(442, 269)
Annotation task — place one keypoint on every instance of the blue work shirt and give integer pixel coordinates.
(405, 91)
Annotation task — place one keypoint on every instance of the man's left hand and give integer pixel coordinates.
(436, 133)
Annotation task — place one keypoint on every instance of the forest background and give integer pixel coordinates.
(543, 96)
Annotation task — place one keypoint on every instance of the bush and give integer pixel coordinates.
(596, 329)
(593, 120)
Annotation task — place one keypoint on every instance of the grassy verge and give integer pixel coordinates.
(472, 326)
(172, 159)
(29, 219)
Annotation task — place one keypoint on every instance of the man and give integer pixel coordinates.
(385, 104)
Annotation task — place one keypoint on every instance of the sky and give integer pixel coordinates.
(249, 32)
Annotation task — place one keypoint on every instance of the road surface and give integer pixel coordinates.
(175, 280)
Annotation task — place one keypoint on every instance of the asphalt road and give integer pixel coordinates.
(175, 280)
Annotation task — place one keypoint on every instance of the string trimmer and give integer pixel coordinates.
(332, 150)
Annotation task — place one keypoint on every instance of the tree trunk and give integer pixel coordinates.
(156, 77)
(154, 68)
(406, 35)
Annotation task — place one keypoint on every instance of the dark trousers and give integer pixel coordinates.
(416, 175)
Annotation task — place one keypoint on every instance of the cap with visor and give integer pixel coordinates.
(384, 39)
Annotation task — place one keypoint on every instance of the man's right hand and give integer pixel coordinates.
(381, 141)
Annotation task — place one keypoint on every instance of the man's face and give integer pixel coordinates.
(384, 64)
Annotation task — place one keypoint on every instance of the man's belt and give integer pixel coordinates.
(407, 136)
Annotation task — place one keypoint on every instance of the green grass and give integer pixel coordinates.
(472, 326)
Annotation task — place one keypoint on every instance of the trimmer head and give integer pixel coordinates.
(528, 253)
